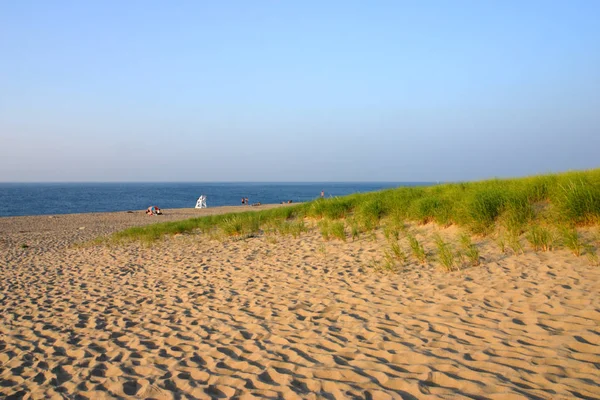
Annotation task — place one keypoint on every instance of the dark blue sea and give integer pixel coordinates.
(68, 198)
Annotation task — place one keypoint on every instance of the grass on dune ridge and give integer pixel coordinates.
(512, 205)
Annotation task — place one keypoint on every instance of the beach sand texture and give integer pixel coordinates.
(285, 317)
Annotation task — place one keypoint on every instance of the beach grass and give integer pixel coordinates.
(469, 249)
(397, 252)
(516, 206)
(324, 229)
(501, 241)
(572, 240)
(592, 255)
(338, 230)
(417, 249)
(354, 228)
(446, 256)
(540, 238)
(514, 242)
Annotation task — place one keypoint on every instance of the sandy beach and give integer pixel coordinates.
(284, 317)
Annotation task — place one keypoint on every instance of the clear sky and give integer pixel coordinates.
(297, 91)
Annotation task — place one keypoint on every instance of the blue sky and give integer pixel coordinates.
(297, 91)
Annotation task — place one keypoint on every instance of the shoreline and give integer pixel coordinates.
(172, 210)
(42, 231)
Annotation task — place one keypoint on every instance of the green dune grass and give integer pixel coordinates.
(554, 201)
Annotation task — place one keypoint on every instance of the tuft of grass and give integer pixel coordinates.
(572, 240)
(371, 208)
(472, 254)
(540, 238)
(485, 205)
(338, 230)
(372, 236)
(374, 265)
(391, 232)
(297, 228)
(397, 253)
(332, 229)
(246, 225)
(388, 264)
(578, 200)
(465, 241)
(293, 228)
(470, 250)
(445, 254)
(417, 249)
(272, 239)
(324, 228)
(335, 208)
(216, 235)
(322, 249)
(592, 255)
(433, 208)
(233, 226)
(501, 241)
(354, 228)
(367, 223)
(514, 242)
(517, 214)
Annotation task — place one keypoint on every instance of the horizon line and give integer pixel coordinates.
(210, 182)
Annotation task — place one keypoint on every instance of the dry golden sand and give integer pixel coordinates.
(285, 317)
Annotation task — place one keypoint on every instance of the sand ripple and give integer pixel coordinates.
(257, 318)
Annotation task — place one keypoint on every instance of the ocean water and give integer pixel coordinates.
(68, 198)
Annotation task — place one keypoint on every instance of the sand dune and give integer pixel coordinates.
(285, 317)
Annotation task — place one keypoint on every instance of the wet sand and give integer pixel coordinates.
(285, 317)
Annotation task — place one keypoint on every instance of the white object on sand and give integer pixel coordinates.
(201, 203)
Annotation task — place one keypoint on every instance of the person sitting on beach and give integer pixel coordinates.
(153, 210)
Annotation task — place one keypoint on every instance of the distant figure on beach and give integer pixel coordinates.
(247, 201)
(153, 210)
(243, 201)
(322, 193)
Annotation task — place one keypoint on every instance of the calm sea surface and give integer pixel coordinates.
(67, 198)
